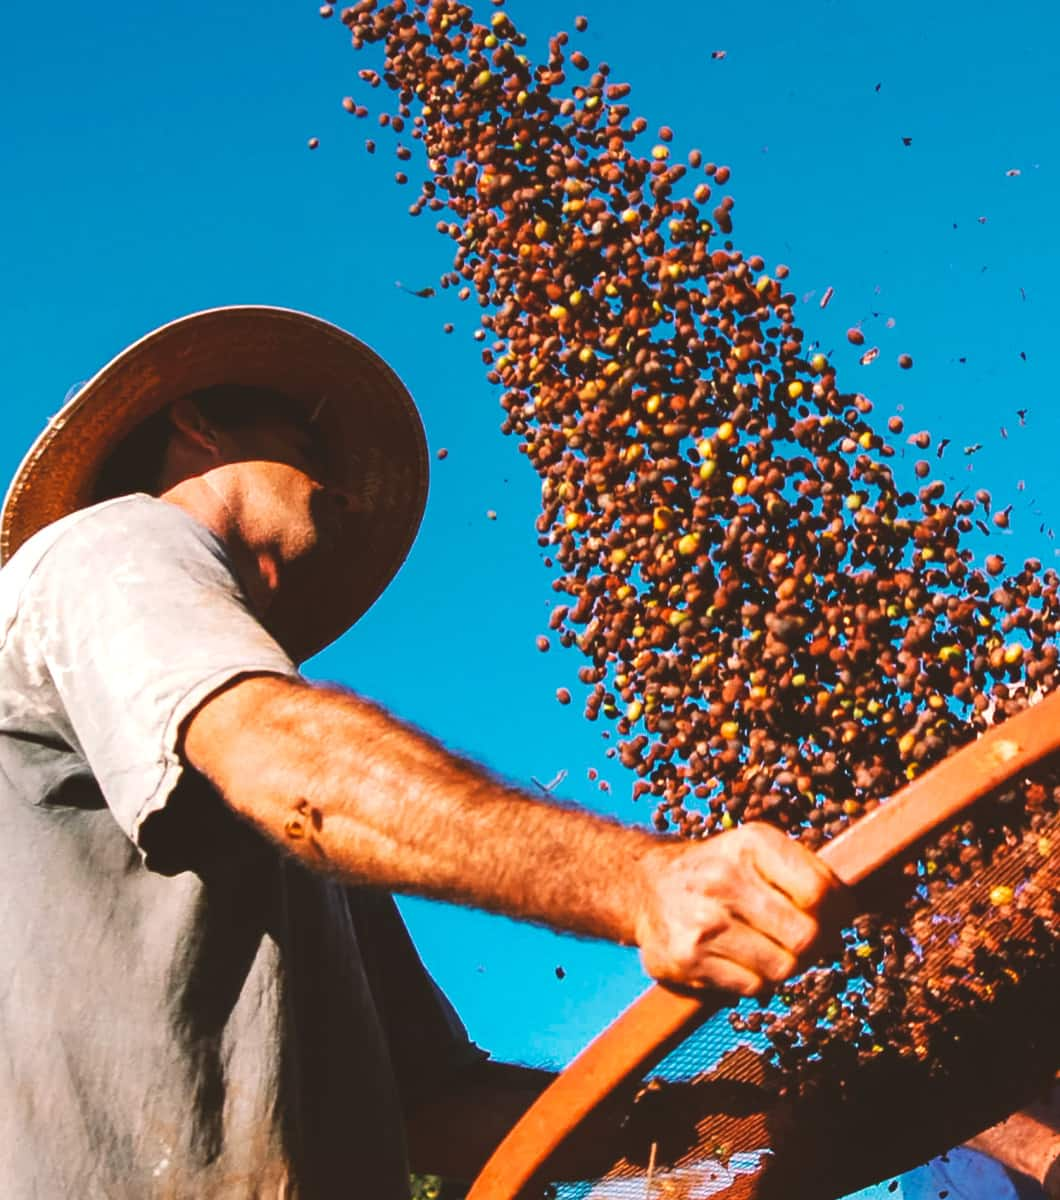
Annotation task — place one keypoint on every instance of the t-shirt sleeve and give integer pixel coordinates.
(136, 617)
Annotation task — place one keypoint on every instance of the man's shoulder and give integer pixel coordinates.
(135, 511)
(125, 521)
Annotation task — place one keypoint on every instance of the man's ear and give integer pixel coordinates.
(185, 417)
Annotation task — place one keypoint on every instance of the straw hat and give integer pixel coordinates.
(367, 414)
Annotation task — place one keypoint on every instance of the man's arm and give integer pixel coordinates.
(1028, 1142)
(352, 791)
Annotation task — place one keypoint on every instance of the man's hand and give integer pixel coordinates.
(739, 911)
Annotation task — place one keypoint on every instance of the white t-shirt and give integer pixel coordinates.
(185, 1012)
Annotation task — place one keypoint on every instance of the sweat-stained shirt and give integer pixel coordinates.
(186, 1013)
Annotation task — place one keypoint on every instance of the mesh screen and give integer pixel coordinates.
(937, 1021)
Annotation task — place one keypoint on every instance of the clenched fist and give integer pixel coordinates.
(740, 911)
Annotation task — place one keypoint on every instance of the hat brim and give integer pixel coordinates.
(367, 415)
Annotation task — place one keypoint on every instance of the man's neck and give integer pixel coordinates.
(256, 570)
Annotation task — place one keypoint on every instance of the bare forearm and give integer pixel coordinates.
(1028, 1141)
(350, 789)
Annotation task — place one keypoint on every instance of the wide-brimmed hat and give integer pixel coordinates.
(359, 404)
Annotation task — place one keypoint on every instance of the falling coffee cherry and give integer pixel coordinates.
(740, 549)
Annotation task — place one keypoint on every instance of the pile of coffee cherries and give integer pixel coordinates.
(779, 627)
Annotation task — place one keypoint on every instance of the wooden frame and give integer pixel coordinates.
(656, 1022)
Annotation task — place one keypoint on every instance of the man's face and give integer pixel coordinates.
(282, 474)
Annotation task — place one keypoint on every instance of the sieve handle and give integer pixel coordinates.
(659, 1019)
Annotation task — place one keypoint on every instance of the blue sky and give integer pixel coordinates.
(156, 163)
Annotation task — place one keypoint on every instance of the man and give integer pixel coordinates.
(209, 992)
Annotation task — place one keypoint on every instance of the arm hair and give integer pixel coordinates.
(353, 791)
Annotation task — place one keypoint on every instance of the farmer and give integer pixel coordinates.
(207, 990)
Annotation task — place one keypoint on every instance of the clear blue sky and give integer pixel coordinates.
(155, 162)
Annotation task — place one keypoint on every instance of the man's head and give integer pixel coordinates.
(158, 449)
(249, 462)
(241, 453)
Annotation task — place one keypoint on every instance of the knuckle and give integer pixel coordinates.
(749, 985)
(658, 967)
(805, 938)
(713, 919)
(735, 840)
(820, 897)
(745, 837)
(763, 841)
(718, 883)
(818, 880)
(783, 966)
(713, 872)
(684, 952)
(679, 947)
(817, 900)
(743, 851)
(758, 833)
(687, 942)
